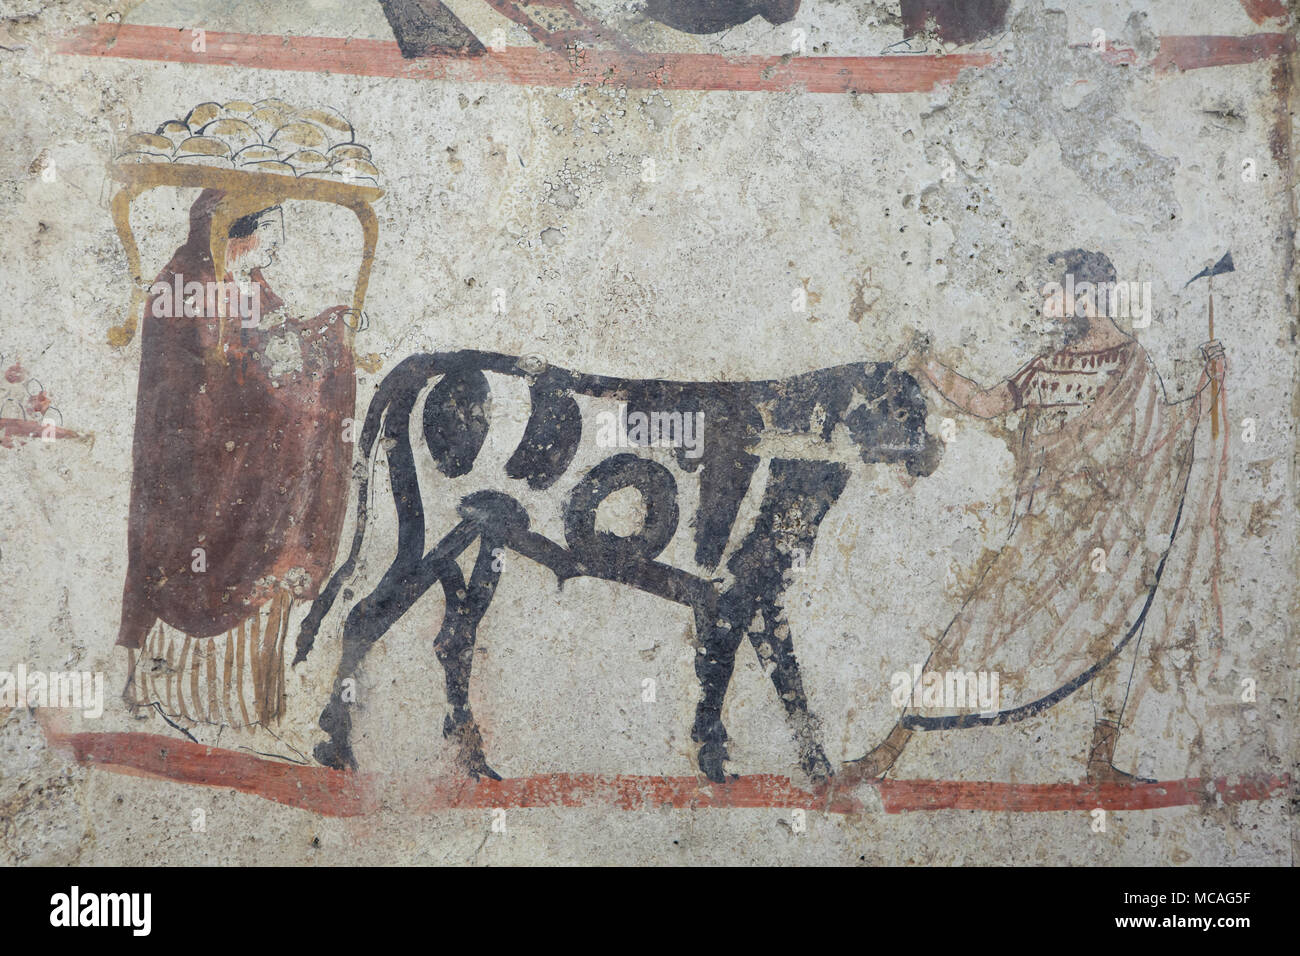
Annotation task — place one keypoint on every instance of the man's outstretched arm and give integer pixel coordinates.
(968, 395)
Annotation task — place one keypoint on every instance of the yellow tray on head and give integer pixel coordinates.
(258, 184)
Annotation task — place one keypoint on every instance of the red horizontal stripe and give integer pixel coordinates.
(527, 66)
(11, 428)
(1197, 52)
(531, 66)
(335, 793)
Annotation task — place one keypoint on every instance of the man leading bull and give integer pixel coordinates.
(1105, 488)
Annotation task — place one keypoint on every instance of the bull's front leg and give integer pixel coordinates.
(714, 664)
(797, 497)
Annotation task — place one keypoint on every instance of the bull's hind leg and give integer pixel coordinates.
(498, 521)
(466, 605)
(402, 585)
(406, 578)
(365, 624)
(796, 499)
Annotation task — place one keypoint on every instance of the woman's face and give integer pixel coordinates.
(305, 254)
(259, 249)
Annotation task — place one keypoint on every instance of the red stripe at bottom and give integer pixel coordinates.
(340, 794)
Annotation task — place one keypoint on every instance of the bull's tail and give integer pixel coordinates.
(388, 417)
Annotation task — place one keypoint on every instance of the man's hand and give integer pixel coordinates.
(918, 352)
(1216, 361)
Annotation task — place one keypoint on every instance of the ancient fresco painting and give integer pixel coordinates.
(312, 481)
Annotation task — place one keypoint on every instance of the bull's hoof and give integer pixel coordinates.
(469, 747)
(711, 758)
(817, 767)
(476, 766)
(335, 754)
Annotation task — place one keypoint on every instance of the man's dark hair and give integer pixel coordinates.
(1086, 266)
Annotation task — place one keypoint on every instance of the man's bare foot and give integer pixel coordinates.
(1102, 752)
(1108, 774)
(877, 761)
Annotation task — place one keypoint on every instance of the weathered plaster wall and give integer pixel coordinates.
(931, 211)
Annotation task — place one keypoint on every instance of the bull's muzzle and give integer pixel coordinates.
(923, 462)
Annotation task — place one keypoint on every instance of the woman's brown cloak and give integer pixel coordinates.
(245, 458)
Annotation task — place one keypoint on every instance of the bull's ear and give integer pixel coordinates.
(912, 385)
(873, 379)
(899, 380)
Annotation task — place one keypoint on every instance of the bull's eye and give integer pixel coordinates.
(901, 414)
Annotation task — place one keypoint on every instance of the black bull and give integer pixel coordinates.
(879, 406)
